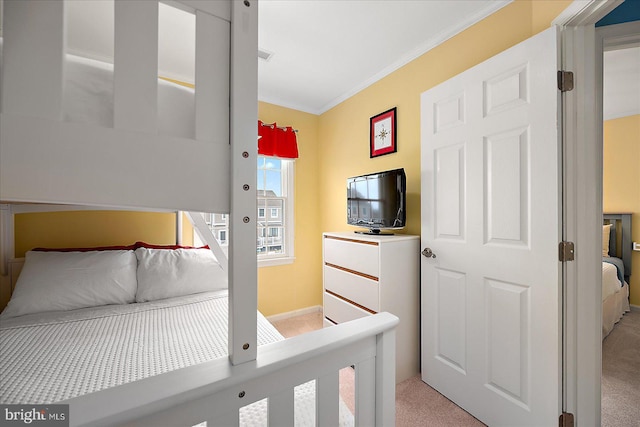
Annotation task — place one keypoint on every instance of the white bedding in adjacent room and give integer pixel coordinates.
(610, 283)
(615, 298)
(54, 356)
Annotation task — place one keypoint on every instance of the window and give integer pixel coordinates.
(274, 240)
(275, 193)
(220, 219)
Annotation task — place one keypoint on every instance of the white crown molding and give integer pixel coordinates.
(286, 104)
(433, 42)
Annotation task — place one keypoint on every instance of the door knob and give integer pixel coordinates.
(428, 253)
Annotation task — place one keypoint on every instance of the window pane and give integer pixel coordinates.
(271, 232)
(273, 163)
(273, 183)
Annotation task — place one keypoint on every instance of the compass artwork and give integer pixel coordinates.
(382, 133)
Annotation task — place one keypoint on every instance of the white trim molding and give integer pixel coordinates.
(294, 313)
(582, 50)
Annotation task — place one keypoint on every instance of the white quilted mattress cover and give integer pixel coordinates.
(50, 357)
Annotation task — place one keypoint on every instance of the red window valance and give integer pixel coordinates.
(277, 141)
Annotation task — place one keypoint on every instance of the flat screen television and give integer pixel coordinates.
(377, 201)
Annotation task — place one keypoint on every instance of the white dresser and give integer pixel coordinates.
(364, 275)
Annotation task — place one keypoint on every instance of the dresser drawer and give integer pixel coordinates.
(340, 311)
(357, 256)
(356, 288)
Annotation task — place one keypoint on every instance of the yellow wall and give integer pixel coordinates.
(621, 182)
(343, 130)
(299, 285)
(91, 228)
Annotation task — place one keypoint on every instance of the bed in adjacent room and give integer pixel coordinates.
(616, 269)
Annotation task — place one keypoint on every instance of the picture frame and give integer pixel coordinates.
(382, 133)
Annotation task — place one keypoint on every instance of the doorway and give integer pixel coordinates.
(621, 143)
(583, 156)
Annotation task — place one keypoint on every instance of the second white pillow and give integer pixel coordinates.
(166, 273)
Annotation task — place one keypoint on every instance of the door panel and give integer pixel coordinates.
(490, 212)
(507, 186)
(452, 326)
(449, 191)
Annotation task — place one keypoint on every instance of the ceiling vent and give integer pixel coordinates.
(264, 54)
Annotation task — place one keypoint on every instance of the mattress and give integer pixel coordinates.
(50, 357)
(88, 98)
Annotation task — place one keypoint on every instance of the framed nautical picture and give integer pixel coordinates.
(382, 133)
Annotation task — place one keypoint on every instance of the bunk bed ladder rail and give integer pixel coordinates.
(215, 391)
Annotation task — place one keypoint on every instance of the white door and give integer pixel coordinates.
(491, 298)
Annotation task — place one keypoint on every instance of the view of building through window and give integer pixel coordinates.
(271, 207)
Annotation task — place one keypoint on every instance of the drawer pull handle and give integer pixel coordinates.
(427, 252)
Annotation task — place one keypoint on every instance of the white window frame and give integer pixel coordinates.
(264, 212)
(287, 170)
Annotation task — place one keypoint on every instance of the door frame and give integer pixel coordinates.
(582, 47)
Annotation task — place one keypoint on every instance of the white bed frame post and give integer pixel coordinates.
(135, 97)
(243, 262)
(6, 238)
(33, 63)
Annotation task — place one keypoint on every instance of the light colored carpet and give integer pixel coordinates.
(621, 373)
(417, 404)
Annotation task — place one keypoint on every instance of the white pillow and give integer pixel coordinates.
(58, 281)
(166, 273)
(606, 233)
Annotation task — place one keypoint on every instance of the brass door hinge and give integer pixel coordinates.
(565, 251)
(565, 81)
(566, 419)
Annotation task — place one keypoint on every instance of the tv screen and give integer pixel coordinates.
(377, 201)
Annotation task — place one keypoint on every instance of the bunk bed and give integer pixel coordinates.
(616, 268)
(132, 163)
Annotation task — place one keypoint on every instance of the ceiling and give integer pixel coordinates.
(325, 51)
(621, 83)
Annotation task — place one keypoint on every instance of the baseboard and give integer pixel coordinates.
(635, 307)
(294, 313)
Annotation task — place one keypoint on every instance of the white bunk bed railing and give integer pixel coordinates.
(215, 391)
(129, 162)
